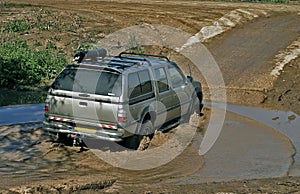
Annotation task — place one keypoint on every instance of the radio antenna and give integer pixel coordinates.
(190, 70)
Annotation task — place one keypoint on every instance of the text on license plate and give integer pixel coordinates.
(82, 129)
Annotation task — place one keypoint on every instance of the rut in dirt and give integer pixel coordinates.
(245, 54)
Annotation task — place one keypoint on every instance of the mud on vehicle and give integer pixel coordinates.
(113, 98)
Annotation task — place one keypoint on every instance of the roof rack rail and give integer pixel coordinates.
(144, 55)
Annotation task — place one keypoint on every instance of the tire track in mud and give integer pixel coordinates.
(31, 160)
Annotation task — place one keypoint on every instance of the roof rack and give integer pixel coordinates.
(143, 55)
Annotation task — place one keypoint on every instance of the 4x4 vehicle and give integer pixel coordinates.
(111, 98)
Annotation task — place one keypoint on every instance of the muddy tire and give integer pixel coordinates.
(196, 107)
(146, 130)
(64, 138)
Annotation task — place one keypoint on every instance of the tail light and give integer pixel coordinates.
(46, 109)
(122, 117)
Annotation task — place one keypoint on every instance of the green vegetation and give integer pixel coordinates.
(27, 62)
(18, 5)
(22, 67)
(35, 44)
(15, 97)
(134, 46)
(17, 26)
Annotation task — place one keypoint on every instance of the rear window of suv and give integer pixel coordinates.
(89, 81)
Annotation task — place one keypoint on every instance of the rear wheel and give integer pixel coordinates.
(64, 138)
(146, 129)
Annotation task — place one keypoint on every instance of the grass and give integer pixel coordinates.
(25, 62)
(17, 25)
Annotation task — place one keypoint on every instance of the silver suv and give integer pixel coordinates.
(111, 98)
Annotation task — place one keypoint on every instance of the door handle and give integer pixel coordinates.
(83, 103)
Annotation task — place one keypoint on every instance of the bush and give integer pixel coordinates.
(17, 26)
(21, 66)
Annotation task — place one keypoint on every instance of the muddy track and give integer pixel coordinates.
(246, 55)
(241, 54)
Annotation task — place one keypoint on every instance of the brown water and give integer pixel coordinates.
(245, 149)
(253, 144)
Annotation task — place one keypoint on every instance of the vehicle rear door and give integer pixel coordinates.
(182, 97)
(85, 95)
(165, 105)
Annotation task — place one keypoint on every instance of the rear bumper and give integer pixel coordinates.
(104, 134)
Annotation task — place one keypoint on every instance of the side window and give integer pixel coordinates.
(146, 84)
(176, 76)
(139, 84)
(161, 78)
(134, 86)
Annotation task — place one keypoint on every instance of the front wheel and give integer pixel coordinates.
(194, 108)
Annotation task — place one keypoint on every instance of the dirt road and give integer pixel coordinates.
(246, 54)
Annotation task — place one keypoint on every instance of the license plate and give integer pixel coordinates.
(86, 130)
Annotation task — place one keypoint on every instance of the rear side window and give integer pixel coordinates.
(176, 76)
(161, 78)
(140, 85)
(146, 84)
(134, 87)
(89, 81)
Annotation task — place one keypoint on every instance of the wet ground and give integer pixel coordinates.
(250, 146)
(21, 114)
(253, 143)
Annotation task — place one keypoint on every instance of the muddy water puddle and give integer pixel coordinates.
(245, 149)
(253, 143)
(248, 147)
(21, 114)
(286, 123)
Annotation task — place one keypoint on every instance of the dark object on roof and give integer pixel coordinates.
(92, 55)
